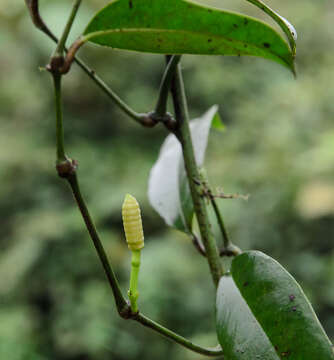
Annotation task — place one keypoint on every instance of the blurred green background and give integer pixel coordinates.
(278, 147)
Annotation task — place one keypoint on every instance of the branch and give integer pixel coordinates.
(123, 307)
(184, 136)
(67, 169)
(121, 303)
(177, 338)
(61, 156)
(221, 223)
(229, 249)
(37, 20)
(208, 193)
(142, 119)
(62, 42)
(161, 107)
(199, 245)
(222, 195)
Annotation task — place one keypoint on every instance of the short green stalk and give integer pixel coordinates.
(133, 290)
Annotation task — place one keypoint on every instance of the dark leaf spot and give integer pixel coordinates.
(235, 26)
(130, 4)
(245, 21)
(209, 40)
(292, 297)
(246, 283)
(266, 45)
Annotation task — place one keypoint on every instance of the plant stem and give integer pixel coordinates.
(67, 169)
(61, 44)
(69, 172)
(59, 119)
(113, 282)
(133, 292)
(221, 224)
(39, 23)
(161, 107)
(184, 136)
(109, 92)
(122, 305)
(37, 20)
(208, 192)
(177, 338)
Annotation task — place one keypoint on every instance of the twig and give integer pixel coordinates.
(177, 338)
(199, 245)
(123, 307)
(121, 303)
(67, 169)
(61, 156)
(142, 119)
(161, 107)
(228, 249)
(62, 42)
(222, 195)
(37, 20)
(183, 134)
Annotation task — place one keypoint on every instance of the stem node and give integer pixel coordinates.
(55, 65)
(147, 120)
(126, 312)
(167, 119)
(67, 168)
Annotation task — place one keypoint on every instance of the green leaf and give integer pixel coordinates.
(239, 333)
(185, 27)
(218, 124)
(168, 188)
(262, 313)
(285, 25)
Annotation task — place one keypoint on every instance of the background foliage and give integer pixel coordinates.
(278, 147)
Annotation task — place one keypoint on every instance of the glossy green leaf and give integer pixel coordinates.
(168, 188)
(285, 25)
(185, 27)
(262, 313)
(239, 333)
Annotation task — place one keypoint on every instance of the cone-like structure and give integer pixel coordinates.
(132, 223)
